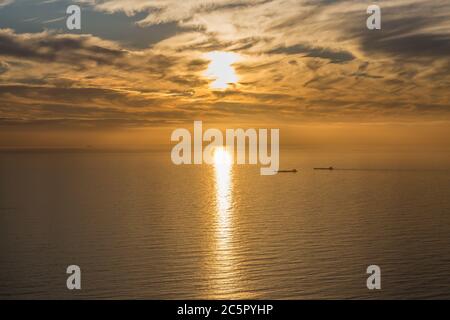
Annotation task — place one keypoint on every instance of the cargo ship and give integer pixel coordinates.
(288, 171)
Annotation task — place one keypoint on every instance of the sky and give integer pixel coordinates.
(140, 68)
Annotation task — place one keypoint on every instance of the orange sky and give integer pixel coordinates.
(139, 69)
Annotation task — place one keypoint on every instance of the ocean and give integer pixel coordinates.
(140, 227)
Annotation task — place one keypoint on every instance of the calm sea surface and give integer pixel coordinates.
(140, 227)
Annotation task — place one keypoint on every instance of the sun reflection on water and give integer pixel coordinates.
(223, 172)
(225, 280)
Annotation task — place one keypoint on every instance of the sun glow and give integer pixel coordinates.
(221, 69)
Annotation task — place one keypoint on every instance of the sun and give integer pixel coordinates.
(221, 69)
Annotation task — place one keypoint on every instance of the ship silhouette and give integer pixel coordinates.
(329, 168)
(288, 171)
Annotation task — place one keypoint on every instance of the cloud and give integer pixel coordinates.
(408, 37)
(163, 11)
(301, 60)
(51, 47)
(4, 3)
(39, 104)
(4, 67)
(335, 56)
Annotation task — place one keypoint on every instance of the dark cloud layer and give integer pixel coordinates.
(45, 47)
(335, 56)
(407, 31)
